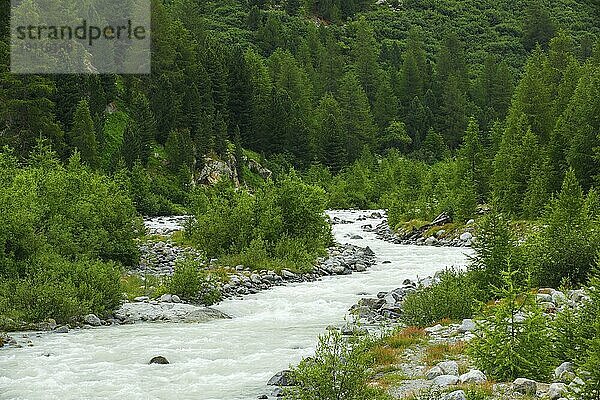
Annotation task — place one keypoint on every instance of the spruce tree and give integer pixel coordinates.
(539, 26)
(357, 120)
(365, 55)
(83, 135)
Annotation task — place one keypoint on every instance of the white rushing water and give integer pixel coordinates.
(219, 360)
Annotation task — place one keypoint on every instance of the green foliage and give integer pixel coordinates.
(566, 248)
(453, 295)
(191, 282)
(338, 370)
(495, 249)
(61, 289)
(83, 136)
(283, 221)
(515, 340)
(63, 227)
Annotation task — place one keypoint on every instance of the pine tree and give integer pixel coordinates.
(145, 126)
(510, 176)
(539, 27)
(413, 69)
(395, 137)
(357, 121)
(453, 111)
(83, 136)
(221, 147)
(533, 96)
(472, 162)
(365, 55)
(385, 109)
(330, 135)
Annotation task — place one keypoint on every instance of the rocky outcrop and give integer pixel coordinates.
(214, 171)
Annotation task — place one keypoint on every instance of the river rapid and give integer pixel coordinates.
(219, 360)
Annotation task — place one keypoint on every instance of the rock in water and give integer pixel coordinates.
(62, 329)
(159, 360)
(283, 378)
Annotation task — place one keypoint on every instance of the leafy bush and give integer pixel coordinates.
(282, 225)
(62, 290)
(452, 296)
(515, 339)
(63, 230)
(338, 370)
(191, 282)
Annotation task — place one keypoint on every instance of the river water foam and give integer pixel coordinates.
(219, 360)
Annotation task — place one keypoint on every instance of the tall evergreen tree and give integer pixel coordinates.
(83, 136)
(365, 55)
(357, 120)
(539, 26)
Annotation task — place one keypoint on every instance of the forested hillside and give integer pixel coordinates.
(306, 83)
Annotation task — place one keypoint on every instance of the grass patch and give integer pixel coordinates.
(391, 379)
(178, 238)
(388, 350)
(136, 286)
(444, 351)
(411, 226)
(449, 230)
(405, 338)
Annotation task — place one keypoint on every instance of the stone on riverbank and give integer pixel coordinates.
(92, 319)
(524, 386)
(282, 378)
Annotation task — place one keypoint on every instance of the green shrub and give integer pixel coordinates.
(191, 282)
(515, 340)
(63, 230)
(63, 290)
(453, 296)
(338, 370)
(281, 225)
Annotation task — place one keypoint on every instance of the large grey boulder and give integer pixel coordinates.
(92, 319)
(449, 367)
(473, 376)
(564, 372)
(434, 373)
(524, 386)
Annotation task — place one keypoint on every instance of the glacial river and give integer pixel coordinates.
(219, 360)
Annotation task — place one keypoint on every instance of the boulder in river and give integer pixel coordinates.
(282, 378)
(159, 360)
